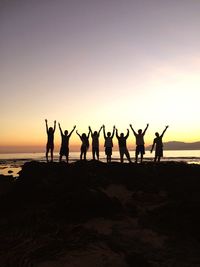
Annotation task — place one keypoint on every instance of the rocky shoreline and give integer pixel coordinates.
(97, 214)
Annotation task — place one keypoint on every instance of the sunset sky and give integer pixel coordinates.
(94, 62)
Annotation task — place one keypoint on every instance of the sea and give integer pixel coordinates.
(11, 164)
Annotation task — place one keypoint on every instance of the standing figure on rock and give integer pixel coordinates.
(85, 144)
(95, 142)
(50, 140)
(140, 149)
(64, 149)
(159, 145)
(122, 146)
(108, 143)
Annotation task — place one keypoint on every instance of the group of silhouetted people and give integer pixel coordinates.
(108, 144)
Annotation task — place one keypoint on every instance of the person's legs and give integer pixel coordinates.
(141, 157)
(67, 155)
(85, 154)
(97, 153)
(127, 155)
(83, 151)
(136, 156)
(121, 152)
(142, 151)
(108, 154)
(51, 149)
(47, 151)
(81, 155)
(93, 153)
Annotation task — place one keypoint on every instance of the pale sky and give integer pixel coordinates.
(94, 62)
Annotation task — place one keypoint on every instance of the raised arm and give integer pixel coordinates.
(47, 128)
(127, 135)
(145, 129)
(133, 129)
(54, 126)
(61, 132)
(72, 131)
(164, 131)
(117, 133)
(100, 130)
(104, 132)
(89, 132)
(78, 133)
(113, 132)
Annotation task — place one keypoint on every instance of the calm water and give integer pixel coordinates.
(10, 164)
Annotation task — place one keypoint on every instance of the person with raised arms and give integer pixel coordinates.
(122, 146)
(140, 149)
(50, 140)
(108, 143)
(64, 149)
(159, 145)
(85, 144)
(95, 142)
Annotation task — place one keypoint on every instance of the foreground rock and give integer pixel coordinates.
(94, 214)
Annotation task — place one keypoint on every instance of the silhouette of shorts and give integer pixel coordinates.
(159, 151)
(108, 151)
(140, 149)
(64, 151)
(50, 146)
(84, 148)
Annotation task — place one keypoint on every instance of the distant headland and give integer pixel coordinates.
(177, 145)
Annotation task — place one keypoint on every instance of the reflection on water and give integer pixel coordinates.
(10, 164)
(10, 170)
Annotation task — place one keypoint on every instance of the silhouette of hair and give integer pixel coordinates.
(140, 131)
(157, 134)
(50, 129)
(108, 134)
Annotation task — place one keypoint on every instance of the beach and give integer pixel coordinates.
(97, 214)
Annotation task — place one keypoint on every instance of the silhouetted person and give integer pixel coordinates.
(50, 140)
(85, 144)
(108, 143)
(122, 146)
(140, 149)
(159, 145)
(64, 149)
(95, 142)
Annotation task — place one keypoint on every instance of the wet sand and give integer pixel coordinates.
(98, 214)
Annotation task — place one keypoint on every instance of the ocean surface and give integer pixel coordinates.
(10, 164)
